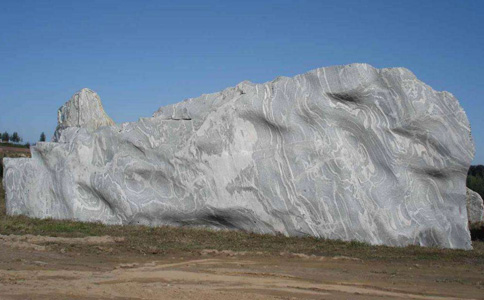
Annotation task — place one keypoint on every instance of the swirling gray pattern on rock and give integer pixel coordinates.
(345, 152)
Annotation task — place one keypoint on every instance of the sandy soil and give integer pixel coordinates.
(37, 242)
(46, 270)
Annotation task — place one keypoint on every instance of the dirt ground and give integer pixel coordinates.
(55, 259)
(34, 267)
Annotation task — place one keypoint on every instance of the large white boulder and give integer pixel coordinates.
(345, 152)
(475, 207)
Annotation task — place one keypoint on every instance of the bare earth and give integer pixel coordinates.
(34, 267)
(14, 150)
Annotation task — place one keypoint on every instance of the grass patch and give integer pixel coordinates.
(14, 145)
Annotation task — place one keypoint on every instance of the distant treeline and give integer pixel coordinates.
(475, 179)
(16, 138)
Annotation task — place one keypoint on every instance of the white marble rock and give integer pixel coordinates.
(85, 110)
(475, 207)
(345, 152)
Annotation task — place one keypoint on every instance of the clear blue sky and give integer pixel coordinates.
(140, 55)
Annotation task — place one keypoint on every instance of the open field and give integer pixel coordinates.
(48, 259)
(11, 149)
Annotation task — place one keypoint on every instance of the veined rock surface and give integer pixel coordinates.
(84, 110)
(345, 152)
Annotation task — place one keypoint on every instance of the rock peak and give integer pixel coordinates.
(83, 110)
(85, 90)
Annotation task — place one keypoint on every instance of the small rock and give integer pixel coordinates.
(127, 266)
(346, 258)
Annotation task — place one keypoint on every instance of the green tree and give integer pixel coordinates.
(42, 137)
(5, 137)
(15, 137)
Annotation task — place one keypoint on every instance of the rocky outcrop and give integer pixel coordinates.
(83, 110)
(475, 207)
(346, 152)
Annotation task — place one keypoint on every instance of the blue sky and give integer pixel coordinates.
(140, 55)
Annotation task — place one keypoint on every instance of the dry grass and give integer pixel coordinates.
(11, 145)
(2, 201)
